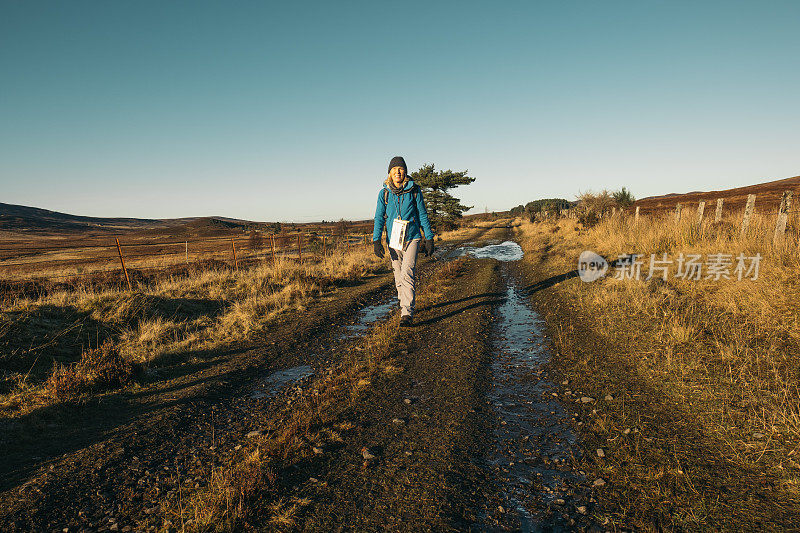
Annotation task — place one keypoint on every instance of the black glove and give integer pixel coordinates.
(428, 247)
(378, 249)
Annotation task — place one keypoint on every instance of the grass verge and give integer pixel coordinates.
(695, 382)
(55, 346)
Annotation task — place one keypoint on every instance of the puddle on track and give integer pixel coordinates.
(533, 439)
(368, 316)
(505, 251)
(275, 382)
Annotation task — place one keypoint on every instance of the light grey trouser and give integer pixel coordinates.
(404, 264)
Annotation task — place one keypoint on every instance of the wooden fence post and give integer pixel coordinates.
(122, 261)
(678, 209)
(272, 245)
(235, 262)
(187, 252)
(300, 248)
(636, 216)
(701, 207)
(748, 212)
(783, 217)
(718, 213)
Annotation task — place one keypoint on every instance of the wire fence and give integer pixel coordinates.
(23, 262)
(776, 214)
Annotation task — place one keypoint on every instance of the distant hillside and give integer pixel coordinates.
(23, 219)
(768, 195)
(32, 219)
(207, 226)
(17, 221)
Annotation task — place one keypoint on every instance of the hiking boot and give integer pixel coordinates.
(405, 321)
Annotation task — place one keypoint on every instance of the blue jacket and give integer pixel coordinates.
(414, 212)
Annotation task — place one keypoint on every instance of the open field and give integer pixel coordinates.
(73, 263)
(284, 397)
(60, 256)
(164, 321)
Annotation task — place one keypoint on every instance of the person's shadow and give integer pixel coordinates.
(494, 298)
(549, 282)
(491, 298)
(553, 280)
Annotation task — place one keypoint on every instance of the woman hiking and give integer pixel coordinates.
(401, 209)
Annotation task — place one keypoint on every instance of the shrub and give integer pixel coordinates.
(100, 368)
(592, 206)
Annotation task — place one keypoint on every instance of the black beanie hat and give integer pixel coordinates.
(397, 161)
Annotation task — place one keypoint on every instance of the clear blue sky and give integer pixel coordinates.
(291, 110)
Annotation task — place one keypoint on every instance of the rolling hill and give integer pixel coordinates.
(33, 219)
(768, 195)
(18, 221)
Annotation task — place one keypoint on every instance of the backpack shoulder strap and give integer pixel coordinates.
(386, 202)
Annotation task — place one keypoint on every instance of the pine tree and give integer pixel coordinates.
(623, 197)
(443, 208)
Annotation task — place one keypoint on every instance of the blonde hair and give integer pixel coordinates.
(388, 181)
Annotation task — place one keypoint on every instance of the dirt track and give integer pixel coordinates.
(433, 440)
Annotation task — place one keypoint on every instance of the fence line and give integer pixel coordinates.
(24, 266)
(782, 212)
(79, 246)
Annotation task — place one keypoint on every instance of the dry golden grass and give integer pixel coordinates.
(98, 369)
(712, 339)
(223, 501)
(64, 261)
(168, 320)
(726, 350)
